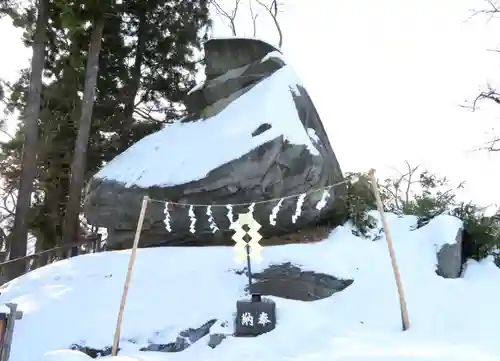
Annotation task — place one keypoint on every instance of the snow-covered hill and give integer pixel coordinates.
(77, 300)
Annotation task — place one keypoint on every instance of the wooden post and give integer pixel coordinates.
(399, 284)
(145, 202)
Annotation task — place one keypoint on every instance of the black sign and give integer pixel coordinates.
(255, 317)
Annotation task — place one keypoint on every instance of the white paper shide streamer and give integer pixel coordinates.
(167, 218)
(192, 219)
(251, 208)
(230, 214)
(211, 220)
(274, 212)
(322, 202)
(298, 209)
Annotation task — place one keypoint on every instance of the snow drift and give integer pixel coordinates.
(77, 300)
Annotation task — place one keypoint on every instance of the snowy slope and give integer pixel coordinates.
(215, 141)
(77, 300)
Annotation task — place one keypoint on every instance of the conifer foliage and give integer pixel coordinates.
(142, 56)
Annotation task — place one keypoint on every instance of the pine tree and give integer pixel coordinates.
(143, 77)
(18, 237)
(71, 219)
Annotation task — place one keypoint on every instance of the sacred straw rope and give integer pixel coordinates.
(248, 203)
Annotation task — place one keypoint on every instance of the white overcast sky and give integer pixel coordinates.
(387, 78)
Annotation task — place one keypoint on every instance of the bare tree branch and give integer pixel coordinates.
(6, 133)
(492, 145)
(272, 9)
(225, 15)
(254, 18)
(394, 187)
(8, 198)
(491, 11)
(492, 95)
(410, 173)
(145, 114)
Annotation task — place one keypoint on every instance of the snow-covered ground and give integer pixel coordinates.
(77, 300)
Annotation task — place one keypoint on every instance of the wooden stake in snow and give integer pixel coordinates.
(145, 202)
(399, 284)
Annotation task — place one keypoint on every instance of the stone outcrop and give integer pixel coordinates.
(289, 281)
(275, 169)
(450, 259)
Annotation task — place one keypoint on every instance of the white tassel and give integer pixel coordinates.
(211, 220)
(298, 209)
(251, 208)
(230, 214)
(192, 218)
(274, 212)
(322, 202)
(167, 218)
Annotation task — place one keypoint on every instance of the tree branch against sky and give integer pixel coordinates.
(491, 93)
(230, 11)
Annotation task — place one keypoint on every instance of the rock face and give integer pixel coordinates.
(450, 258)
(289, 281)
(247, 87)
(185, 339)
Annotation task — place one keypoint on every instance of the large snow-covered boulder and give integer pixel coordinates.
(251, 134)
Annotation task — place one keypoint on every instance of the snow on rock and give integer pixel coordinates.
(65, 355)
(171, 156)
(77, 300)
(312, 135)
(442, 230)
(197, 87)
(446, 234)
(245, 38)
(251, 134)
(273, 54)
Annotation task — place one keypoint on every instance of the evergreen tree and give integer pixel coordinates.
(29, 127)
(71, 218)
(146, 66)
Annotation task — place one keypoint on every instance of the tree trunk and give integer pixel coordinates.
(135, 79)
(78, 165)
(19, 233)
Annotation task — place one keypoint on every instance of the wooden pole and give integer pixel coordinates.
(145, 202)
(399, 284)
